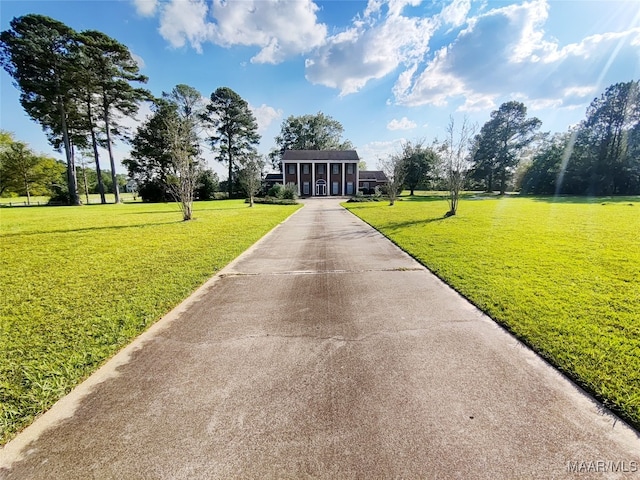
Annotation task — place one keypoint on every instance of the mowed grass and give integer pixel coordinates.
(563, 275)
(93, 198)
(78, 283)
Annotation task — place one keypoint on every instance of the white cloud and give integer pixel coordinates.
(372, 152)
(350, 59)
(146, 8)
(183, 21)
(455, 14)
(506, 50)
(477, 103)
(265, 115)
(279, 29)
(403, 124)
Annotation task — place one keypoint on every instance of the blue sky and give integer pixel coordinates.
(388, 70)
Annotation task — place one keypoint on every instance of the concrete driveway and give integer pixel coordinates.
(325, 352)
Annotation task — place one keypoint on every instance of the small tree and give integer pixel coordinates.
(182, 185)
(19, 164)
(394, 168)
(182, 130)
(455, 157)
(419, 162)
(250, 175)
(208, 185)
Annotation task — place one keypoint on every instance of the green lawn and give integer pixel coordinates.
(563, 275)
(78, 283)
(93, 198)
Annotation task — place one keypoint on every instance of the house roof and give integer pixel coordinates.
(373, 175)
(297, 155)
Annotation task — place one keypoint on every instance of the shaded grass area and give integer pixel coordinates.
(93, 199)
(78, 283)
(562, 274)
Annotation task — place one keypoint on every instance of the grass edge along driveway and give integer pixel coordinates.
(79, 283)
(562, 274)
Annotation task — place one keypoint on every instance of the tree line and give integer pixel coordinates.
(24, 172)
(75, 85)
(78, 85)
(599, 156)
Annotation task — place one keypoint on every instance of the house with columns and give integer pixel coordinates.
(320, 173)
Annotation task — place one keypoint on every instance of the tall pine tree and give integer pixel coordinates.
(235, 129)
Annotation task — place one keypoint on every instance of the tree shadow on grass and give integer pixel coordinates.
(628, 199)
(88, 229)
(414, 223)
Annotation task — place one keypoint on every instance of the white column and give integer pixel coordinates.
(343, 188)
(355, 187)
(328, 190)
(284, 171)
(313, 179)
(298, 177)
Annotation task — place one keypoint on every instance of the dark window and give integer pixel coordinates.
(349, 188)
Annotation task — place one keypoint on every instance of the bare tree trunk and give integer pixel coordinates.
(26, 187)
(230, 181)
(71, 167)
(86, 187)
(457, 164)
(107, 128)
(96, 157)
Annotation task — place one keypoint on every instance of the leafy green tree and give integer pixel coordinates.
(208, 184)
(19, 167)
(418, 162)
(6, 139)
(250, 175)
(541, 177)
(150, 163)
(501, 140)
(40, 54)
(602, 146)
(25, 173)
(235, 129)
(308, 132)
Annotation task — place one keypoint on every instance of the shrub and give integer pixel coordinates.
(275, 191)
(273, 201)
(289, 192)
(59, 195)
(154, 191)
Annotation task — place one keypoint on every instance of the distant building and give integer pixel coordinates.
(131, 186)
(370, 179)
(271, 179)
(321, 173)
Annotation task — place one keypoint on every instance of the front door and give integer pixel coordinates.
(321, 188)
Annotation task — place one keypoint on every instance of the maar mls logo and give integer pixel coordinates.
(603, 466)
